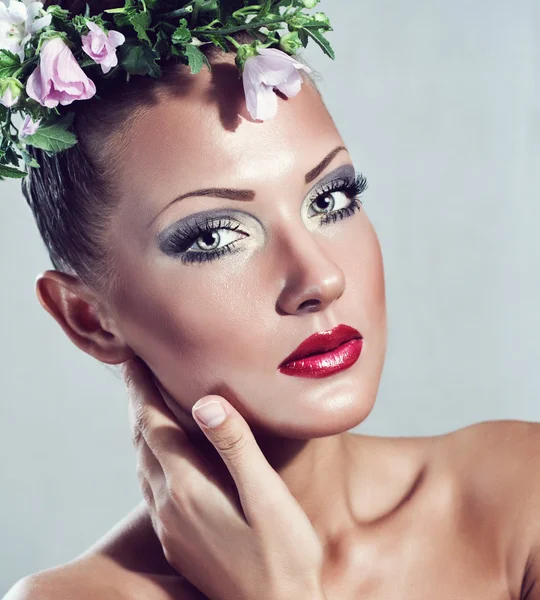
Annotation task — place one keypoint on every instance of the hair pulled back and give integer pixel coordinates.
(71, 195)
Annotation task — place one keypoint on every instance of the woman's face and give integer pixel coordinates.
(274, 273)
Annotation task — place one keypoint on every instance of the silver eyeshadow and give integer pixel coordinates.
(343, 172)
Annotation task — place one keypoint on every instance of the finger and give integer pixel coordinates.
(188, 475)
(150, 475)
(259, 486)
(147, 409)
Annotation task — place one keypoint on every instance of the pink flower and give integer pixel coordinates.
(271, 68)
(58, 78)
(29, 127)
(100, 46)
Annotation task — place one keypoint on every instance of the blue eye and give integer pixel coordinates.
(350, 188)
(206, 237)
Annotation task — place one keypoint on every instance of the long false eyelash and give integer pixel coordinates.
(353, 189)
(183, 238)
(354, 186)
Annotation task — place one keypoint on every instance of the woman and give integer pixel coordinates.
(211, 310)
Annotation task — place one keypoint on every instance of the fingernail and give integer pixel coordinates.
(211, 413)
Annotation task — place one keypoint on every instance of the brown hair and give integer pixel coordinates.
(72, 194)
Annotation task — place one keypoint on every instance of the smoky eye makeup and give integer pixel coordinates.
(180, 235)
(344, 172)
(208, 235)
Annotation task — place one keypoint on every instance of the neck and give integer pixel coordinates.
(342, 482)
(319, 476)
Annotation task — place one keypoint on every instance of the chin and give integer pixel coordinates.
(317, 417)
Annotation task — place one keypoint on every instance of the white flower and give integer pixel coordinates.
(271, 68)
(18, 22)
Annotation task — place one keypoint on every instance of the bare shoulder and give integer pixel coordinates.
(94, 577)
(74, 580)
(503, 433)
(506, 448)
(496, 465)
(127, 563)
(498, 459)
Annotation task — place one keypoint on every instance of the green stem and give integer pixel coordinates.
(250, 25)
(179, 12)
(195, 13)
(247, 9)
(233, 41)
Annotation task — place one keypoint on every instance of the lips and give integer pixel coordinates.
(323, 342)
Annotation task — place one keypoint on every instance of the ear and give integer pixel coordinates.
(77, 310)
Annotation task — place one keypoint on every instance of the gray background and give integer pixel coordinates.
(439, 105)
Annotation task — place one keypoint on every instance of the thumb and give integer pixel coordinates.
(257, 482)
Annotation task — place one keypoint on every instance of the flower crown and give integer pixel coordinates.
(48, 57)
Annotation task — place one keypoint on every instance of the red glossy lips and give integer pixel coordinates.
(323, 342)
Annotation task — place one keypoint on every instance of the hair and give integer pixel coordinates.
(72, 194)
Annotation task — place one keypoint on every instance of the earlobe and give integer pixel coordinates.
(75, 308)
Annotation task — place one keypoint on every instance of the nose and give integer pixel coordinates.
(313, 281)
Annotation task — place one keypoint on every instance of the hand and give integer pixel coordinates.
(246, 540)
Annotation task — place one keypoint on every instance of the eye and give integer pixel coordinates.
(211, 240)
(339, 199)
(208, 240)
(330, 201)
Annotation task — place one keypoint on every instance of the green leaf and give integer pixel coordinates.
(139, 59)
(58, 13)
(265, 9)
(140, 22)
(322, 41)
(217, 41)
(28, 158)
(304, 38)
(11, 172)
(11, 155)
(161, 46)
(9, 63)
(121, 15)
(196, 58)
(182, 34)
(52, 138)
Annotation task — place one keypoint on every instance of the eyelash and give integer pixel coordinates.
(182, 239)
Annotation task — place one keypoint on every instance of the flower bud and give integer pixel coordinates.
(310, 3)
(290, 42)
(10, 90)
(298, 21)
(244, 52)
(320, 16)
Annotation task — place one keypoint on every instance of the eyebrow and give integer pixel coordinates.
(248, 195)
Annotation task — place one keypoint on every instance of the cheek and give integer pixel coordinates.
(193, 325)
(362, 264)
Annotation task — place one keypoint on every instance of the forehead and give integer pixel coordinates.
(202, 134)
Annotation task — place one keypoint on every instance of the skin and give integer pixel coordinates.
(442, 517)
